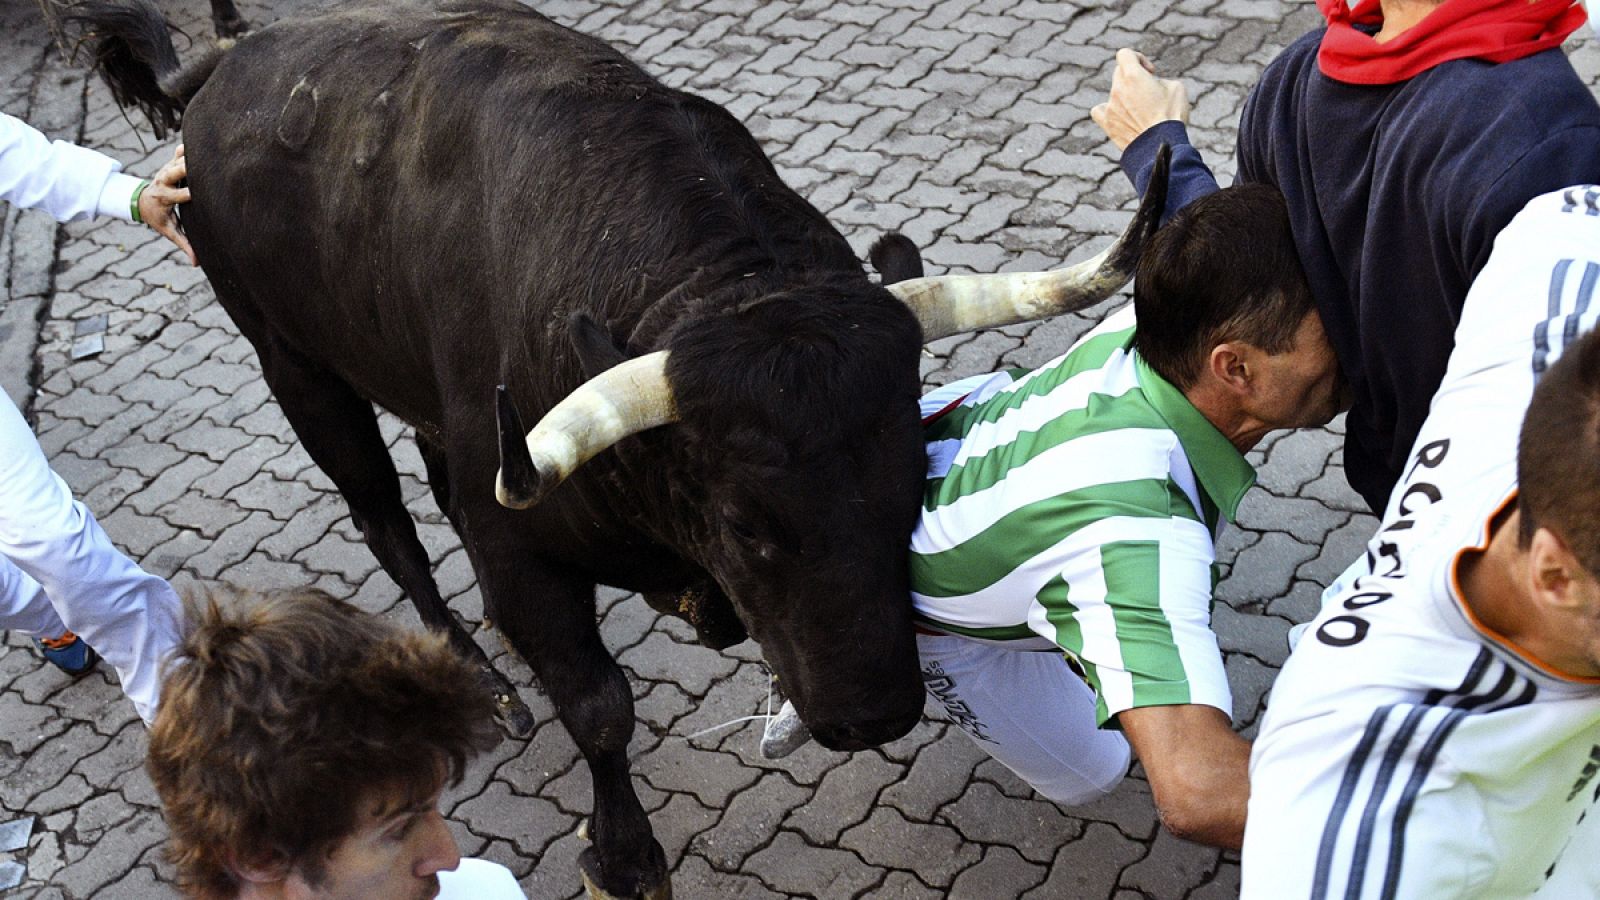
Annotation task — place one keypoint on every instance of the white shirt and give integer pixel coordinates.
(67, 181)
(1408, 752)
(479, 879)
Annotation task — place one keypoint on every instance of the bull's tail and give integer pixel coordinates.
(130, 44)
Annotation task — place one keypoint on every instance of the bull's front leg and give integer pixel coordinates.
(340, 432)
(549, 618)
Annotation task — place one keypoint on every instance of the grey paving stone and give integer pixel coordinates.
(938, 775)
(124, 753)
(1297, 459)
(1129, 808)
(1262, 636)
(844, 797)
(199, 436)
(903, 886)
(550, 753)
(679, 822)
(557, 873)
(1001, 873)
(796, 868)
(713, 778)
(1034, 828)
(238, 542)
(1264, 569)
(27, 725)
(1222, 885)
(537, 822)
(112, 855)
(694, 878)
(659, 658)
(750, 821)
(935, 852)
(1172, 868)
(1090, 866)
(278, 498)
(1344, 546)
(47, 764)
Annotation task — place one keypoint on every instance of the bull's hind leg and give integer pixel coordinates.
(340, 432)
(549, 617)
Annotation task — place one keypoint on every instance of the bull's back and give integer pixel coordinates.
(410, 194)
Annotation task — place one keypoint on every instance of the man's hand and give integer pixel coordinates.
(1199, 770)
(1139, 100)
(157, 203)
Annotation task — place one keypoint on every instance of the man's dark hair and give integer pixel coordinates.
(282, 714)
(1223, 269)
(1558, 455)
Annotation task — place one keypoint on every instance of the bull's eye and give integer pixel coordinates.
(740, 531)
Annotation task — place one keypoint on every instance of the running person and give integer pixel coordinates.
(61, 579)
(1436, 732)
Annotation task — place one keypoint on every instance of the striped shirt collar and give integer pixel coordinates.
(1220, 468)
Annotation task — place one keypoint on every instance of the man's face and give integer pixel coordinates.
(396, 852)
(1301, 387)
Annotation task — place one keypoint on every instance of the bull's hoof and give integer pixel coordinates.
(644, 885)
(515, 719)
(662, 891)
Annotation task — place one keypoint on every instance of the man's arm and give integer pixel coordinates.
(1144, 112)
(1198, 769)
(71, 182)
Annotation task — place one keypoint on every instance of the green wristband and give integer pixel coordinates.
(133, 204)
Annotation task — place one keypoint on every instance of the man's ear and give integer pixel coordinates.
(1553, 570)
(1229, 364)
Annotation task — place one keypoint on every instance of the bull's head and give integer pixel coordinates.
(809, 462)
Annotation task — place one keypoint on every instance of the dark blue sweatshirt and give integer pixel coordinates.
(1395, 195)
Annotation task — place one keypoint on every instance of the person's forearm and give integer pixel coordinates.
(1190, 178)
(1207, 804)
(1199, 770)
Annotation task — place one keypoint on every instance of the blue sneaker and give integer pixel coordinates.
(69, 653)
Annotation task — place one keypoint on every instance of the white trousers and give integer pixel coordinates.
(1029, 711)
(59, 571)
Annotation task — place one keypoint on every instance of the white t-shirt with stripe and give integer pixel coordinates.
(1075, 507)
(1407, 751)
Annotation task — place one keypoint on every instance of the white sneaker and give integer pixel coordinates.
(784, 734)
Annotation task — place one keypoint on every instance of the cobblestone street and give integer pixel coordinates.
(962, 123)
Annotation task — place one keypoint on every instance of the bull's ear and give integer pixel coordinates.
(896, 258)
(597, 347)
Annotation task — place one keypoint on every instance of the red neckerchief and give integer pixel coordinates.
(1493, 30)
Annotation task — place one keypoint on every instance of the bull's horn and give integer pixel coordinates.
(625, 399)
(952, 304)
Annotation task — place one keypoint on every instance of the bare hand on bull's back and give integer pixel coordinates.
(1139, 100)
(158, 202)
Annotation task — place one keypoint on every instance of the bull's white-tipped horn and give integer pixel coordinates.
(952, 304)
(626, 399)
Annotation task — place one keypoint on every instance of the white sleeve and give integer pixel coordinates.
(1342, 807)
(67, 181)
(479, 879)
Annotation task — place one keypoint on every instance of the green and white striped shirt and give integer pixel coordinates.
(1075, 507)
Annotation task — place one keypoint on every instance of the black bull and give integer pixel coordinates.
(409, 206)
